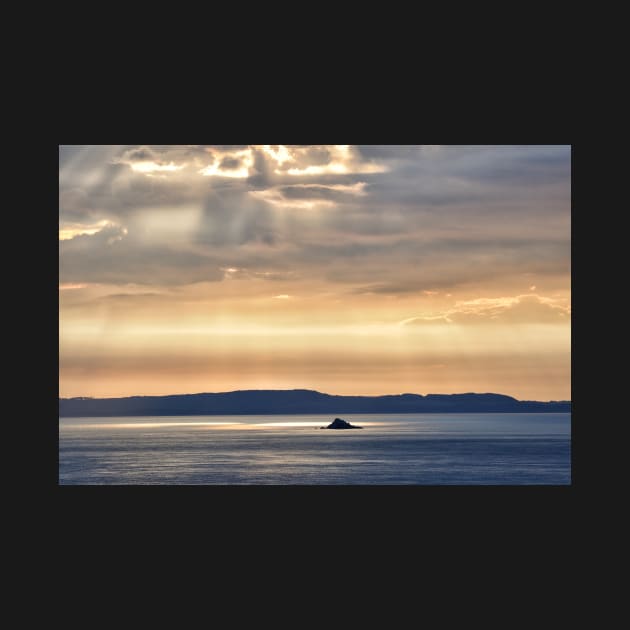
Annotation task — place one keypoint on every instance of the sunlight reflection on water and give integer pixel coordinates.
(228, 424)
(422, 449)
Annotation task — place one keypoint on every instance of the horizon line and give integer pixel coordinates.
(303, 389)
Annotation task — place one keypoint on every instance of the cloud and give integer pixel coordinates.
(141, 154)
(198, 160)
(388, 152)
(429, 319)
(395, 219)
(278, 152)
(145, 160)
(72, 230)
(335, 191)
(115, 256)
(229, 164)
(261, 173)
(277, 198)
(236, 273)
(521, 309)
(309, 195)
(320, 160)
(68, 286)
(502, 166)
(385, 289)
(152, 167)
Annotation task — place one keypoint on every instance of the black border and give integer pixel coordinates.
(455, 117)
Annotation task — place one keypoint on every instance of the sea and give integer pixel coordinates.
(394, 449)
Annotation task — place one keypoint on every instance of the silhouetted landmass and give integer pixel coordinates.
(338, 423)
(254, 402)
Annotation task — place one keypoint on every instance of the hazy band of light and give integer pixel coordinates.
(159, 425)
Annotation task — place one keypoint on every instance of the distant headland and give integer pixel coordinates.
(299, 401)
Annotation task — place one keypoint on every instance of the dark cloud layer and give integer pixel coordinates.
(111, 256)
(426, 216)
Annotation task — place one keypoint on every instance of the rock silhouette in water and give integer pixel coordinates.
(338, 423)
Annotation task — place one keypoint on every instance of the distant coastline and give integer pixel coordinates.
(301, 401)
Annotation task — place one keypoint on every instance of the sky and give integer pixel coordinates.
(345, 269)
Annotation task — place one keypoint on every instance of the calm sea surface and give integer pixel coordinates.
(426, 449)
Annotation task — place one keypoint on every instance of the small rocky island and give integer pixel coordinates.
(338, 423)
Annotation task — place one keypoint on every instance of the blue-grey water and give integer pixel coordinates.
(425, 449)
